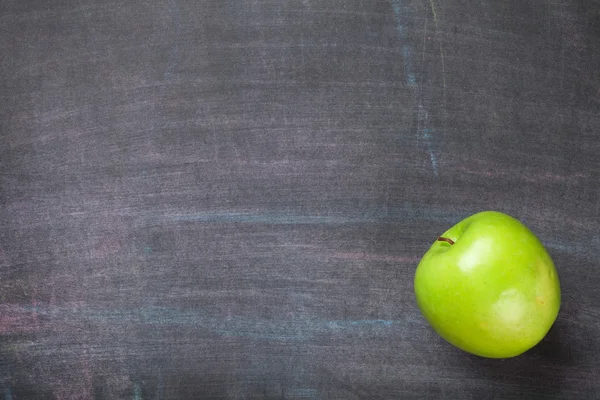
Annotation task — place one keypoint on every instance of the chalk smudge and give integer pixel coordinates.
(437, 31)
(374, 257)
(17, 319)
(174, 52)
(492, 171)
(390, 215)
(433, 159)
(584, 250)
(270, 219)
(160, 392)
(8, 394)
(137, 392)
(302, 393)
(411, 80)
(423, 130)
(276, 329)
(366, 322)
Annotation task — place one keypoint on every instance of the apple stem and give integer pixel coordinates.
(443, 239)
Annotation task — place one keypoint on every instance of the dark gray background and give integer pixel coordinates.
(228, 198)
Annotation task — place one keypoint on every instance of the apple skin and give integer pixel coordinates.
(494, 292)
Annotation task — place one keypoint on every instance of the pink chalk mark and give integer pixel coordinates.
(16, 319)
(34, 313)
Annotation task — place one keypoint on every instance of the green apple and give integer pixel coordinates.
(488, 286)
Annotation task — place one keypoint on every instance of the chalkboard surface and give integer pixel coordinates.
(227, 199)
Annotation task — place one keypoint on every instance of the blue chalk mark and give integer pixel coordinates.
(427, 134)
(433, 160)
(280, 330)
(428, 140)
(581, 247)
(398, 13)
(411, 79)
(7, 394)
(137, 392)
(173, 54)
(566, 248)
(578, 248)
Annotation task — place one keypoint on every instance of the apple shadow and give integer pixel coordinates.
(554, 348)
(538, 372)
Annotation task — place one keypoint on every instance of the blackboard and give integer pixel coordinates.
(227, 199)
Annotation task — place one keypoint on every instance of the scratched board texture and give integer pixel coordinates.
(228, 199)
